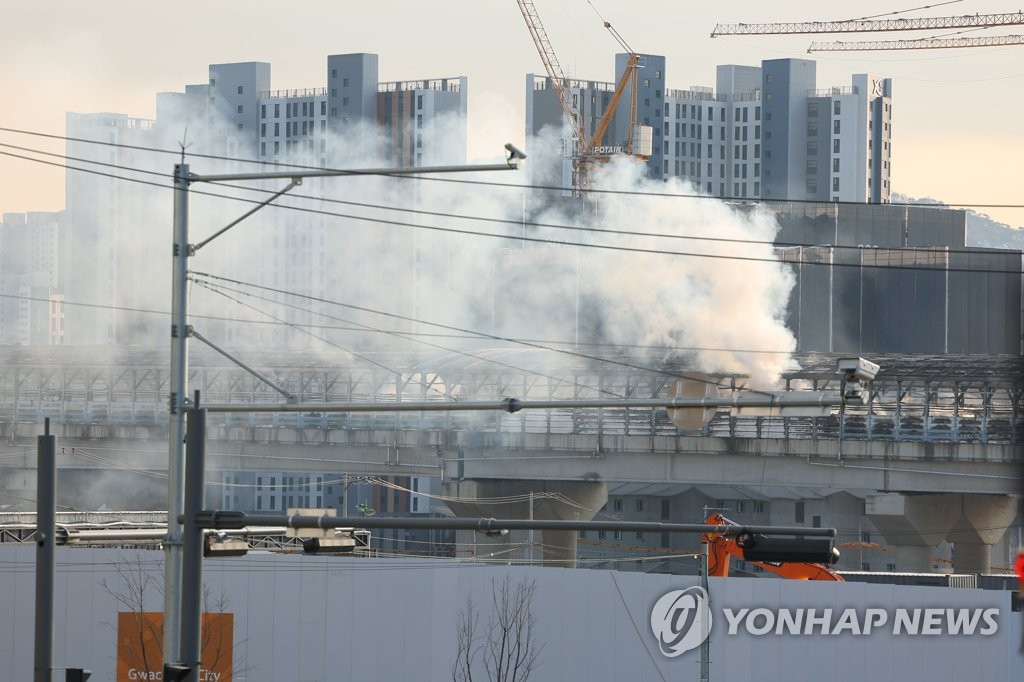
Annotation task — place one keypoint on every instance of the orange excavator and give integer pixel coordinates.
(783, 557)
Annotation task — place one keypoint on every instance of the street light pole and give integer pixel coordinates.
(177, 403)
(180, 331)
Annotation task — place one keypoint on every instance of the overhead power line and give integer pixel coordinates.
(482, 183)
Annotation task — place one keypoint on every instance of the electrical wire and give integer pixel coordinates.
(484, 335)
(402, 335)
(326, 342)
(552, 188)
(557, 242)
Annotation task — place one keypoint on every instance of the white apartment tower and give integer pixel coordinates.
(763, 132)
(117, 237)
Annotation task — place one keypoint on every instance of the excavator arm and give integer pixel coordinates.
(722, 548)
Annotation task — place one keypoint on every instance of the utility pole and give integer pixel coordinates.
(182, 250)
(46, 527)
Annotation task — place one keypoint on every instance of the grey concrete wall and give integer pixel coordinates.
(316, 619)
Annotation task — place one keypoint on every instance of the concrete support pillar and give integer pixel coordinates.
(915, 524)
(982, 521)
(524, 499)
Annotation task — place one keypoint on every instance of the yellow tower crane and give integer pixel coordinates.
(589, 150)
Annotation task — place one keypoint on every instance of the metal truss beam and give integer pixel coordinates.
(869, 26)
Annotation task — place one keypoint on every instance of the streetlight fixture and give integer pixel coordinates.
(182, 250)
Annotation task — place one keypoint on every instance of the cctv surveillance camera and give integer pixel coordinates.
(514, 152)
(857, 369)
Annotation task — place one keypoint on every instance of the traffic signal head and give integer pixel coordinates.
(792, 550)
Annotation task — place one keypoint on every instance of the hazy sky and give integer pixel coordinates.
(956, 114)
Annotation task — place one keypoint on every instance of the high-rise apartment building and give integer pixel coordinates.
(32, 308)
(118, 233)
(764, 132)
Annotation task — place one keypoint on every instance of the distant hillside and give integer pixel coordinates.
(981, 230)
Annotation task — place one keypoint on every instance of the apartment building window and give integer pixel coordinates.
(744, 137)
(757, 151)
(735, 189)
(835, 127)
(757, 188)
(745, 114)
(736, 133)
(277, 147)
(263, 130)
(709, 188)
(711, 134)
(273, 502)
(617, 504)
(799, 512)
(263, 148)
(891, 568)
(865, 566)
(744, 152)
(323, 108)
(835, 165)
(741, 506)
(865, 536)
(721, 151)
(240, 126)
(757, 170)
(239, 108)
(277, 111)
(617, 535)
(835, 146)
(835, 184)
(711, 114)
(259, 503)
(640, 535)
(710, 172)
(601, 535)
(816, 521)
(836, 107)
(344, 82)
(263, 111)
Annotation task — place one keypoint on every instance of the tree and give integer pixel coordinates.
(507, 647)
(139, 583)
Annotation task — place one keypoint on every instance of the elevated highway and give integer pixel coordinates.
(938, 433)
(932, 423)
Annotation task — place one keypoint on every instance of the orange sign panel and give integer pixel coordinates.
(140, 638)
